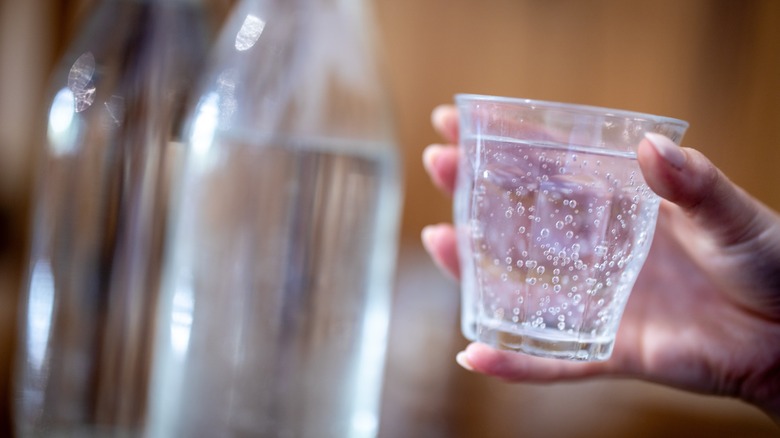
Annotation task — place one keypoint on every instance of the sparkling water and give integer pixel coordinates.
(551, 239)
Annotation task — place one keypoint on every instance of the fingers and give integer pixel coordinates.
(525, 368)
(687, 178)
(445, 121)
(441, 244)
(441, 163)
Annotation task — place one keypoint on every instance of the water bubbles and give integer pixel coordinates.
(509, 212)
(576, 299)
(530, 264)
(557, 288)
(531, 281)
(520, 209)
(561, 325)
(569, 234)
(545, 232)
(540, 270)
(504, 277)
(559, 225)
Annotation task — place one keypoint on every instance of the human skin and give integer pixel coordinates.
(704, 314)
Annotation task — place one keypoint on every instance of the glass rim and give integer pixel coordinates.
(593, 109)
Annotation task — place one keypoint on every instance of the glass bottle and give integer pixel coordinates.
(283, 242)
(84, 352)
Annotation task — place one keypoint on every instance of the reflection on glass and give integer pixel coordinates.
(80, 81)
(61, 121)
(205, 124)
(249, 33)
(181, 320)
(39, 311)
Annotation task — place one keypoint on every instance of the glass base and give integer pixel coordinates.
(550, 344)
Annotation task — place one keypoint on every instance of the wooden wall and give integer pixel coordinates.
(715, 63)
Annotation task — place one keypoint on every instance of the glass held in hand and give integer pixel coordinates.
(554, 222)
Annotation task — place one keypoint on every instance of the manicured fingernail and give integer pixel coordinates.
(667, 149)
(462, 359)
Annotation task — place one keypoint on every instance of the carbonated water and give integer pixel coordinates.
(551, 237)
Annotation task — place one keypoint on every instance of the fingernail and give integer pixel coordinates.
(429, 232)
(429, 156)
(667, 149)
(462, 359)
(426, 232)
(437, 113)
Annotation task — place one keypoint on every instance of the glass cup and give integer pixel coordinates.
(554, 222)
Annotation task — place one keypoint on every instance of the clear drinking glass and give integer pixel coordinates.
(554, 222)
(115, 104)
(282, 244)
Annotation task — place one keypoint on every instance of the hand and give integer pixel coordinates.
(704, 314)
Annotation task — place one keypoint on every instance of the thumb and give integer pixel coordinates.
(688, 179)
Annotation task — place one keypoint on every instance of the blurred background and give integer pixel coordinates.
(715, 63)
